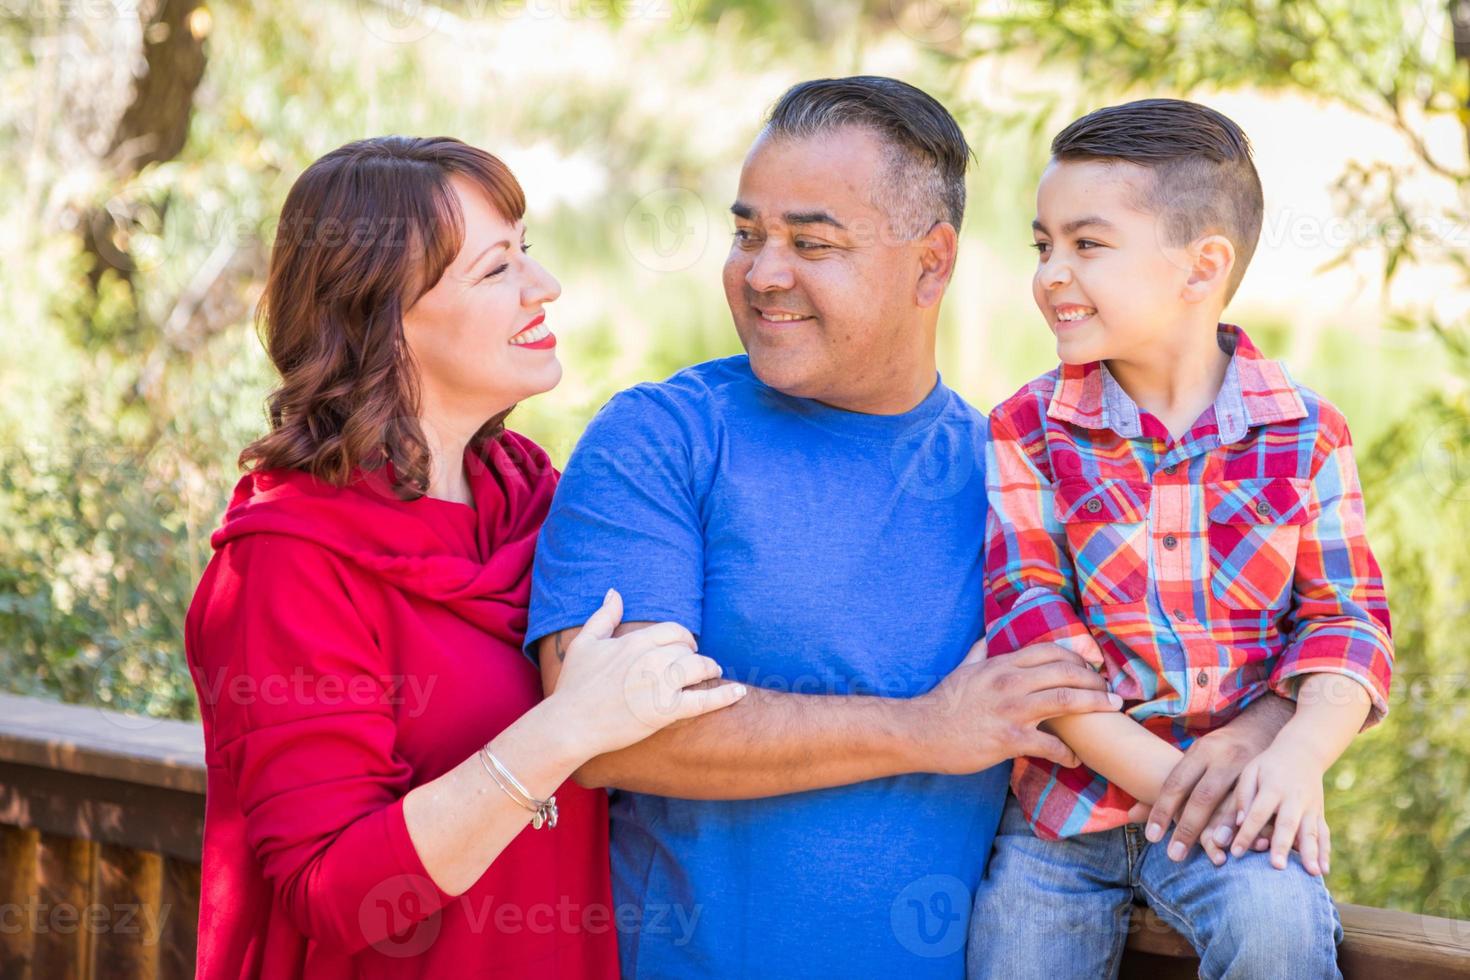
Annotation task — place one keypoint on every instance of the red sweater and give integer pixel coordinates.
(348, 646)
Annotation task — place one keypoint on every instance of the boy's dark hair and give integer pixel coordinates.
(1203, 177)
(927, 152)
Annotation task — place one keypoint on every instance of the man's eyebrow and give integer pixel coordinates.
(812, 218)
(1072, 227)
(742, 210)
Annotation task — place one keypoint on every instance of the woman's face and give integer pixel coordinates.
(477, 336)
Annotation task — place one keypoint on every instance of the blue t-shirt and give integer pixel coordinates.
(810, 550)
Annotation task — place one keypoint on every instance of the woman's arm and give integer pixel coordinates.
(615, 692)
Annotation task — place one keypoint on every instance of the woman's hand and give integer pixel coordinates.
(614, 691)
(1284, 781)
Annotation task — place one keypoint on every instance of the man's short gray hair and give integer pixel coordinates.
(925, 151)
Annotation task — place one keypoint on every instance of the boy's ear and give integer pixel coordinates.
(937, 253)
(1212, 259)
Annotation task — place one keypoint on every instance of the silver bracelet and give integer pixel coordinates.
(544, 810)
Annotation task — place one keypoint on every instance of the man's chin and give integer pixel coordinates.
(781, 371)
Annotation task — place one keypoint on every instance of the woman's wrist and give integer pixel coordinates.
(559, 735)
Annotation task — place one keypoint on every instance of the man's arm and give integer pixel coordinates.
(771, 743)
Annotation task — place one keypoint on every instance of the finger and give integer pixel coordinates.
(1045, 653)
(600, 625)
(1138, 813)
(1307, 844)
(1262, 809)
(660, 635)
(1245, 795)
(977, 653)
(1177, 786)
(693, 703)
(1288, 819)
(1058, 675)
(1324, 843)
(1056, 701)
(694, 668)
(1219, 833)
(1049, 747)
(1212, 789)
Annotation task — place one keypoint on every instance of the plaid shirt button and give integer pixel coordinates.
(1170, 542)
(1203, 680)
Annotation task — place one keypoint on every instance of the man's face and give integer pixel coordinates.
(822, 293)
(1107, 281)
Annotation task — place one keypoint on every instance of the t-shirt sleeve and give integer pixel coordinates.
(626, 516)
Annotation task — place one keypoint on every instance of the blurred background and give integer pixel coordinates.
(146, 147)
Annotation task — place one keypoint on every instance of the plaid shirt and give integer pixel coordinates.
(1209, 570)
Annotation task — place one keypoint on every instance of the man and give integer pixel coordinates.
(813, 513)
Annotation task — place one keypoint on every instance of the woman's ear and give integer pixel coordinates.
(1212, 260)
(937, 252)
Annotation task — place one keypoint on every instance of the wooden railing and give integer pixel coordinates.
(102, 818)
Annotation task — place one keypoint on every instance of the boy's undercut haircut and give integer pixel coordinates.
(925, 150)
(1203, 179)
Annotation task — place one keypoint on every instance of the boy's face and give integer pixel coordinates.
(1106, 280)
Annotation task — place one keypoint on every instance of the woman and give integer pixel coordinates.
(376, 741)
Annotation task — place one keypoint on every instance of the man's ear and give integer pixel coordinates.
(1212, 260)
(937, 253)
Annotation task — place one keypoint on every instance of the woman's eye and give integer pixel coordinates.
(495, 271)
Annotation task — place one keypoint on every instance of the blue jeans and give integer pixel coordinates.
(1054, 910)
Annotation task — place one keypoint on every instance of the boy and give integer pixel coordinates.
(1169, 504)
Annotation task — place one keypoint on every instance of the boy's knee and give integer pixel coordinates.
(1280, 931)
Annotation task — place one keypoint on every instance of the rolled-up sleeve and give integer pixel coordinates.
(1339, 620)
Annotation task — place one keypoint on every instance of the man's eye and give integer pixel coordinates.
(806, 245)
(744, 236)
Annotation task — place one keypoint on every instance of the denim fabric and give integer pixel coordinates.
(1057, 910)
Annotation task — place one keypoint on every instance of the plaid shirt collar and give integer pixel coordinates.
(1256, 391)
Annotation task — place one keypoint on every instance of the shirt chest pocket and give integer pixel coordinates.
(1106, 523)
(1254, 529)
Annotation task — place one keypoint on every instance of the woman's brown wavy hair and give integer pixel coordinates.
(365, 231)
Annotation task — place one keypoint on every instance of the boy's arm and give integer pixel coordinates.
(1339, 622)
(1121, 750)
(1031, 596)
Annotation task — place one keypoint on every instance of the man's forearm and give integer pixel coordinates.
(769, 743)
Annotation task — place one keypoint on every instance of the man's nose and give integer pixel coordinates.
(770, 271)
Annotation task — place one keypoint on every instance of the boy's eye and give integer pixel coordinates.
(1041, 246)
(1085, 243)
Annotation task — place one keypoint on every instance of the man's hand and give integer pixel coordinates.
(1198, 795)
(987, 711)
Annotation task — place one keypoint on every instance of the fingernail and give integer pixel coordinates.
(1237, 851)
(740, 690)
(1154, 833)
(1239, 817)
(1217, 859)
(1223, 836)
(608, 596)
(1176, 851)
(1115, 700)
(1326, 867)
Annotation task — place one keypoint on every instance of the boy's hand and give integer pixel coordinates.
(1285, 781)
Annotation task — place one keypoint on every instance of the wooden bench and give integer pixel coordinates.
(102, 820)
